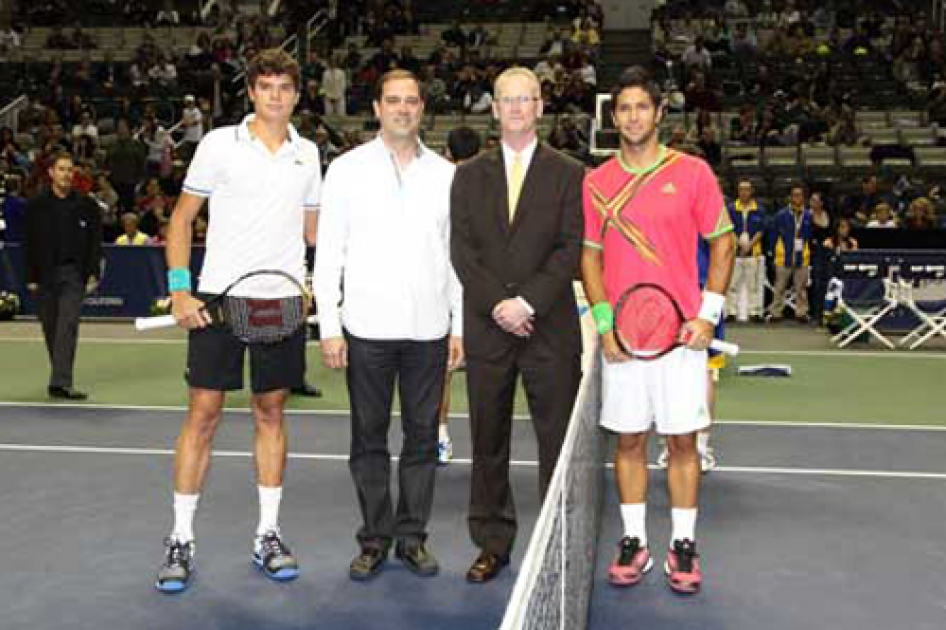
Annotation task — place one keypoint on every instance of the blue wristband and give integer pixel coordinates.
(179, 279)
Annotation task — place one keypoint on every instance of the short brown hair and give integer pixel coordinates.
(395, 75)
(273, 62)
(60, 154)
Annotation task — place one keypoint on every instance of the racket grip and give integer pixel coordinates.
(151, 323)
(725, 347)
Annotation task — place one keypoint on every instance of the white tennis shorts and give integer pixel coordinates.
(668, 393)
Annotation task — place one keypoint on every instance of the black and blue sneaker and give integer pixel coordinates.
(273, 557)
(174, 576)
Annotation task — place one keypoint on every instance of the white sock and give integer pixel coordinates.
(702, 442)
(185, 506)
(444, 433)
(683, 522)
(634, 516)
(269, 499)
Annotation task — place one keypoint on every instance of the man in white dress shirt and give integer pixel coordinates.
(389, 311)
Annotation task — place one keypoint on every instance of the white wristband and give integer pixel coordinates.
(712, 307)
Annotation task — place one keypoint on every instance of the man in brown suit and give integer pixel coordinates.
(516, 224)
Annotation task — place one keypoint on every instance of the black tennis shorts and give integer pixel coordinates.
(216, 361)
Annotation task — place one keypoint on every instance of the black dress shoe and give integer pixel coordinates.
(367, 563)
(486, 567)
(417, 558)
(66, 393)
(307, 390)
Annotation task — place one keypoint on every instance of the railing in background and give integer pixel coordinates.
(10, 115)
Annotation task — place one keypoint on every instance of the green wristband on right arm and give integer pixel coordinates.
(603, 315)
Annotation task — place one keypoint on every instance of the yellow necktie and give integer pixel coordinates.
(515, 185)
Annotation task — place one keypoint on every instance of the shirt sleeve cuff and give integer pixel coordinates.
(528, 306)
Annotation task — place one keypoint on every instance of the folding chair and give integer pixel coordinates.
(926, 301)
(864, 309)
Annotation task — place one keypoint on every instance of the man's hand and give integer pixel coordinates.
(91, 285)
(188, 311)
(32, 287)
(612, 351)
(511, 315)
(334, 352)
(697, 334)
(455, 356)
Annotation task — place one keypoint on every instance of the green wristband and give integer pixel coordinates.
(604, 317)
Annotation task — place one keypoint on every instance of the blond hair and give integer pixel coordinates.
(516, 71)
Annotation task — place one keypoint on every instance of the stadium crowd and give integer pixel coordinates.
(741, 74)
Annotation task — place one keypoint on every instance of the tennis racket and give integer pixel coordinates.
(648, 323)
(253, 320)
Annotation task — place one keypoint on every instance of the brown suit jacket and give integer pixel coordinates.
(536, 257)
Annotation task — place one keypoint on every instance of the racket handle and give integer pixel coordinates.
(151, 323)
(725, 347)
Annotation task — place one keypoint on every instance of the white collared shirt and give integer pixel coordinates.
(257, 201)
(525, 156)
(384, 235)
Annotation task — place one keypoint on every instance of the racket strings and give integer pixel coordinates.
(648, 321)
(263, 320)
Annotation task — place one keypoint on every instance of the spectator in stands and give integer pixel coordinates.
(555, 45)
(387, 58)
(408, 60)
(700, 94)
(125, 159)
(159, 144)
(883, 217)
(163, 74)
(859, 207)
(454, 35)
(57, 40)
(477, 37)
(85, 127)
(313, 68)
(744, 42)
(132, 235)
(841, 240)
(335, 88)
(936, 100)
(9, 40)
(744, 128)
(153, 206)
(567, 137)
(312, 99)
(792, 255)
(921, 215)
(10, 150)
(697, 57)
(736, 9)
(81, 40)
(105, 195)
(192, 122)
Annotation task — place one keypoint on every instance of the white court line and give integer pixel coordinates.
(751, 470)
(829, 353)
(880, 426)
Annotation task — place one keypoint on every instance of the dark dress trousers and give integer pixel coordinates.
(63, 249)
(535, 257)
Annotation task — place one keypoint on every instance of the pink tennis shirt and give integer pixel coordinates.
(647, 223)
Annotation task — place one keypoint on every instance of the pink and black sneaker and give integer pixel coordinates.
(683, 567)
(631, 563)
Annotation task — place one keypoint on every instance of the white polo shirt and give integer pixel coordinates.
(384, 234)
(257, 200)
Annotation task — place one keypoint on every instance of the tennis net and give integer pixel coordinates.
(553, 588)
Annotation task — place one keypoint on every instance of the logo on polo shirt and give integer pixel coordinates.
(669, 189)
